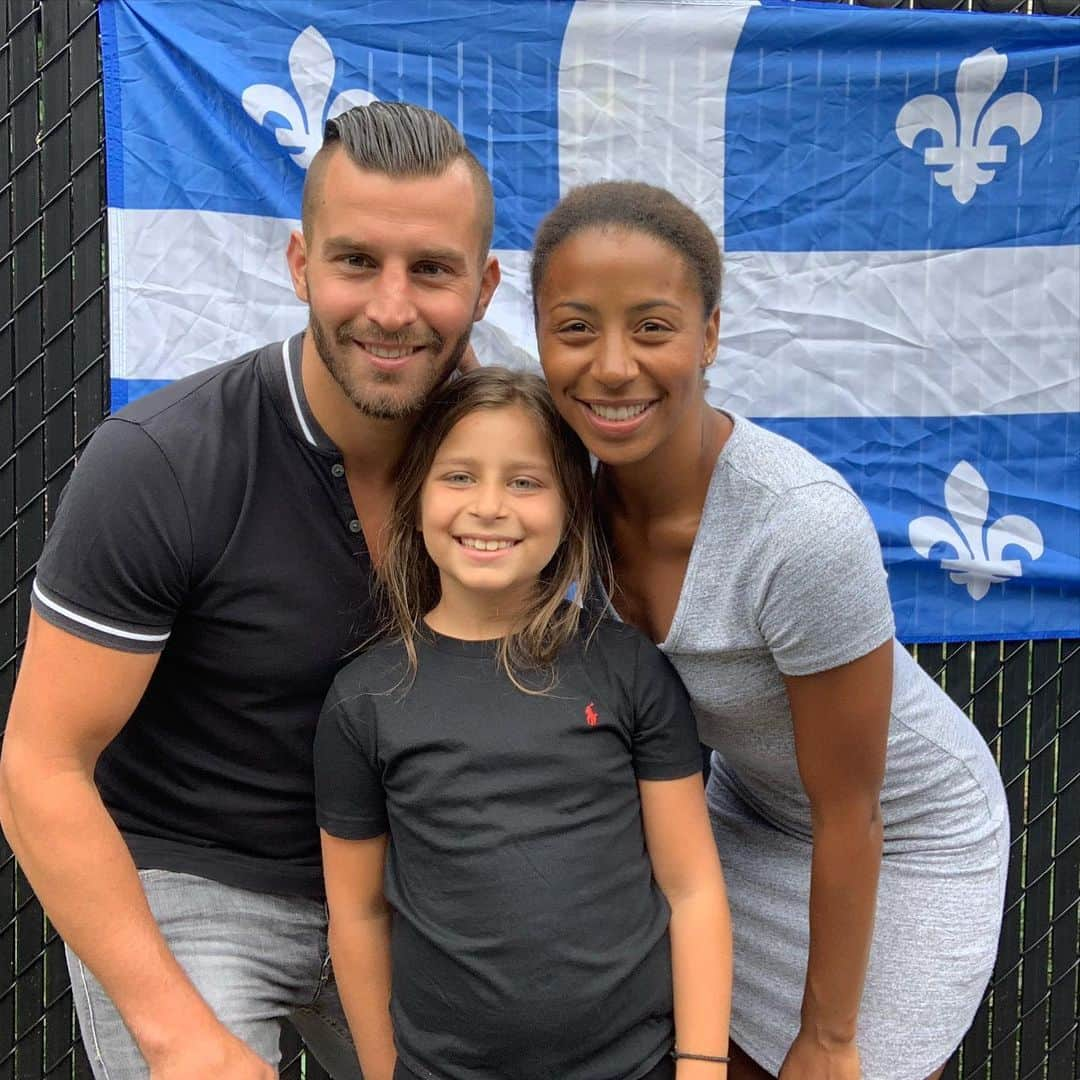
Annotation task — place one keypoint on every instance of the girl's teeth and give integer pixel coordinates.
(486, 545)
(622, 412)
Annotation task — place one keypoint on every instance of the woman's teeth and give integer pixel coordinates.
(621, 412)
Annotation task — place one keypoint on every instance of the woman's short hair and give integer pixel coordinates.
(635, 207)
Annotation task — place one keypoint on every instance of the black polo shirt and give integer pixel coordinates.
(212, 522)
(530, 938)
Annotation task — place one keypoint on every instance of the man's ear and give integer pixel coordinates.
(296, 257)
(489, 282)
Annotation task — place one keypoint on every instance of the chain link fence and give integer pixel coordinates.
(1023, 696)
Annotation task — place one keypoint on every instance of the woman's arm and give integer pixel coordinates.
(359, 938)
(841, 722)
(687, 869)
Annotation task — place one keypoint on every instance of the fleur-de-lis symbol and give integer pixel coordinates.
(312, 67)
(978, 563)
(966, 148)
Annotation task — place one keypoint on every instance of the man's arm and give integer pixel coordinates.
(360, 946)
(71, 699)
(687, 869)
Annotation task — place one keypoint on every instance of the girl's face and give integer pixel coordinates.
(623, 342)
(491, 510)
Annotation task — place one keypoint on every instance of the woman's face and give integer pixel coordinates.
(623, 342)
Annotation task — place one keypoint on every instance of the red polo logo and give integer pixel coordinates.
(591, 717)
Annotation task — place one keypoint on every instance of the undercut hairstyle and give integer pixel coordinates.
(407, 583)
(401, 140)
(634, 207)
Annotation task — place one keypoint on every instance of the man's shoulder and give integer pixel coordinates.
(226, 388)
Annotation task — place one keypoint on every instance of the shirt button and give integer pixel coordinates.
(354, 526)
(337, 469)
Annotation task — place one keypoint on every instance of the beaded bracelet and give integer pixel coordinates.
(676, 1054)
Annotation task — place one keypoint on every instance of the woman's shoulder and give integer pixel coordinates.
(772, 462)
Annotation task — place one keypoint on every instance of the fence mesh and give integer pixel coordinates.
(1023, 696)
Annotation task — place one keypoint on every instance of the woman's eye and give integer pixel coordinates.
(650, 326)
(576, 327)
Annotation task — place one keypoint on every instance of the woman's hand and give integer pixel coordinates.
(809, 1059)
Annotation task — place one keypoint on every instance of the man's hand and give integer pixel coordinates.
(809, 1059)
(222, 1055)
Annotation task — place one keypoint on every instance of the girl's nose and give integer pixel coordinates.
(488, 502)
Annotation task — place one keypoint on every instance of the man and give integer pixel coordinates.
(208, 571)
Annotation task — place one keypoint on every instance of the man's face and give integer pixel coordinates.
(394, 276)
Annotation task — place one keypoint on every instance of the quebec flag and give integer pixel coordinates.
(897, 194)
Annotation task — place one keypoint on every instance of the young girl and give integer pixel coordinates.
(520, 874)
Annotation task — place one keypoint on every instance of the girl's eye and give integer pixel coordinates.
(457, 478)
(524, 483)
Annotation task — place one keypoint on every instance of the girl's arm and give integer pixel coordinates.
(359, 939)
(687, 869)
(841, 721)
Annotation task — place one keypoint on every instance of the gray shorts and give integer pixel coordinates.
(256, 958)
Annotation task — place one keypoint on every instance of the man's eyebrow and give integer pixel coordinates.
(338, 244)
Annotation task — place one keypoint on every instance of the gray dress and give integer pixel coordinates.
(786, 577)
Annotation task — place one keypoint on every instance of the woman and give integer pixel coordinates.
(845, 780)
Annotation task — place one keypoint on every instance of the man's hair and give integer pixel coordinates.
(408, 583)
(398, 139)
(634, 207)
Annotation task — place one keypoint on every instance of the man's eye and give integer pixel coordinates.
(431, 269)
(356, 261)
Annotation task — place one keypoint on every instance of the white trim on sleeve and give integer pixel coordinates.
(93, 624)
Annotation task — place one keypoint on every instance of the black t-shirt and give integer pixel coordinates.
(212, 521)
(529, 937)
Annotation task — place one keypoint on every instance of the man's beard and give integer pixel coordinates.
(366, 398)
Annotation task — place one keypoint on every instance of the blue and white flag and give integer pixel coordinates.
(897, 194)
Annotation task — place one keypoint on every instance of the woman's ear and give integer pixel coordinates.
(712, 337)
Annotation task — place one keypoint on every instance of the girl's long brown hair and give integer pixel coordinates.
(408, 581)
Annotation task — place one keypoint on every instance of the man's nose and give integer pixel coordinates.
(391, 305)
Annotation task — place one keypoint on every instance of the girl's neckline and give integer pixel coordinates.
(738, 424)
(460, 647)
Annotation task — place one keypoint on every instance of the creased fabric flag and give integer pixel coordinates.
(897, 194)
